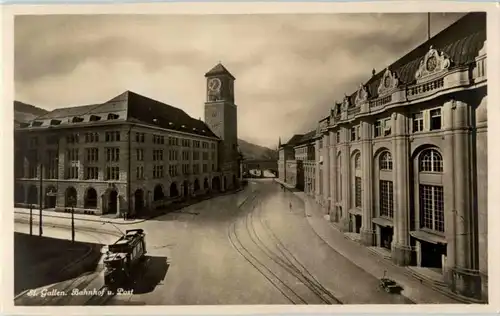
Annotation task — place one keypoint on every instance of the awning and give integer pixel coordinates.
(383, 222)
(428, 237)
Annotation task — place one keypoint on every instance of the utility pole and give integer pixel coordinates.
(41, 199)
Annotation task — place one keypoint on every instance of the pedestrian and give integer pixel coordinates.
(290, 206)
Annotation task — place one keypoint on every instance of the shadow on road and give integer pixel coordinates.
(40, 261)
(152, 273)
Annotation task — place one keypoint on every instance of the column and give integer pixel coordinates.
(326, 172)
(333, 177)
(367, 233)
(401, 250)
(317, 180)
(346, 180)
(448, 187)
(466, 280)
(482, 192)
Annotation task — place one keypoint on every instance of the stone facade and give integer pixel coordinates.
(403, 161)
(120, 165)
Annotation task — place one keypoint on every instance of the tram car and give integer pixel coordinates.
(123, 257)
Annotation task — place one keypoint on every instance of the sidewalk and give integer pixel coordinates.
(361, 256)
(66, 217)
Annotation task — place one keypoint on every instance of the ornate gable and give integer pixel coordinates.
(361, 95)
(388, 83)
(346, 103)
(434, 62)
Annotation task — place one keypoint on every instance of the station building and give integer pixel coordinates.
(401, 163)
(128, 154)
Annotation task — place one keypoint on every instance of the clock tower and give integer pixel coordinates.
(221, 116)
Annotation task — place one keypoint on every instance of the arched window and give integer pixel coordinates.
(386, 161)
(70, 197)
(357, 161)
(430, 161)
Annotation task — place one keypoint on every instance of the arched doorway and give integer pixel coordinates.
(90, 200)
(50, 197)
(205, 184)
(216, 184)
(139, 200)
(113, 202)
(19, 193)
(185, 188)
(174, 192)
(196, 185)
(158, 193)
(70, 197)
(33, 194)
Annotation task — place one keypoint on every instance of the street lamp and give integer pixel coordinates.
(31, 219)
(50, 194)
(72, 201)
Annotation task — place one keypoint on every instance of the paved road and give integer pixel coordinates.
(217, 252)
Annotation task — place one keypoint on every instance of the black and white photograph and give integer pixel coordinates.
(302, 158)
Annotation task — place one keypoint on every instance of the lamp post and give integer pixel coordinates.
(72, 202)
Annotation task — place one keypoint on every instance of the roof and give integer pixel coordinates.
(307, 137)
(219, 69)
(461, 41)
(127, 107)
(294, 140)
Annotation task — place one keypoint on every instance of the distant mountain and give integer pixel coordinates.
(24, 112)
(256, 152)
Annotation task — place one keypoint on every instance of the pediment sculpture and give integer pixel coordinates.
(361, 95)
(433, 62)
(346, 103)
(388, 83)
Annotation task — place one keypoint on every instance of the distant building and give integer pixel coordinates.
(128, 154)
(402, 162)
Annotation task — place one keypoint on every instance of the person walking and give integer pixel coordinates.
(290, 206)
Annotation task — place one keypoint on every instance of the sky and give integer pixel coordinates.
(289, 69)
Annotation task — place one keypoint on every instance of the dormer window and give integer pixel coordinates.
(170, 123)
(36, 123)
(77, 119)
(112, 116)
(94, 118)
(194, 128)
(183, 126)
(203, 131)
(55, 122)
(24, 125)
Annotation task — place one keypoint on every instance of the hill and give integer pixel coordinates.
(24, 112)
(252, 151)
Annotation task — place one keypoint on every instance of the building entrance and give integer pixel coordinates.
(386, 234)
(432, 254)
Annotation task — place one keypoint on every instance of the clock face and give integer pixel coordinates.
(214, 114)
(431, 63)
(214, 84)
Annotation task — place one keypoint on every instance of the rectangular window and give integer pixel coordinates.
(139, 154)
(92, 154)
(432, 207)
(139, 173)
(112, 173)
(213, 167)
(112, 136)
(338, 137)
(158, 139)
(205, 155)
(140, 137)
(196, 155)
(387, 127)
(435, 119)
(52, 166)
(378, 128)
(386, 199)
(353, 134)
(205, 168)
(33, 142)
(358, 132)
(72, 138)
(418, 122)
(91, 137)
(112, 154)
(72, 172)
(72, 155)
(358, 191)
(157, 154)
(91, 173)
(158, 172)
(196, 169)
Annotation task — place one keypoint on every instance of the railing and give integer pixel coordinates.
(381, 101)
(425, 87)
(354, 111)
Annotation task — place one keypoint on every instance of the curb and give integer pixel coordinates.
(57, 225)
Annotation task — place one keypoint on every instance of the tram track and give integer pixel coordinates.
(281, 260)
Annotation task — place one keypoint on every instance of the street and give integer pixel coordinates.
(245, 248)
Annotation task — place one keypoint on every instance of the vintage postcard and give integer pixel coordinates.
(259, 156)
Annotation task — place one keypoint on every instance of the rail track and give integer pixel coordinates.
(282, 260)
